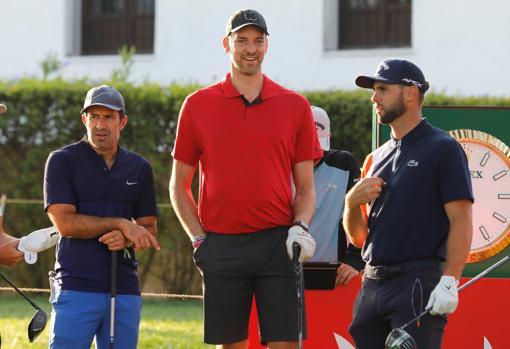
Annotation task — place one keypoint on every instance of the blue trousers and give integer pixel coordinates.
(384, 304)
(77, 317)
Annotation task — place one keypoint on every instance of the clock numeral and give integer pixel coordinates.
(484, 232)
(504, 196)
(485, 158)
(499, 217)
(500, 174)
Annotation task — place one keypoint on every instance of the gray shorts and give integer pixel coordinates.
(235, 267)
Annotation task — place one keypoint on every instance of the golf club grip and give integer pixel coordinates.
(21, 293)
(113, 276)
(296, 251)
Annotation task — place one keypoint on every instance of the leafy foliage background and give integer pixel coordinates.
(44, 115)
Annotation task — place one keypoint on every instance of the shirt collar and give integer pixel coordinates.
(413, 135)
(268, 88)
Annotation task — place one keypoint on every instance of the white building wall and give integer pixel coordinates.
(462, 45)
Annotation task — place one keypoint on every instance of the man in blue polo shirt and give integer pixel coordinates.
(411, 212)
(101, 198)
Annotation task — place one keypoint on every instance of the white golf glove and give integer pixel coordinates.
(444, 298)
(38, 241)
(300, 236)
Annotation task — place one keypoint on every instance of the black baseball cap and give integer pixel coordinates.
(246, 17)
(395, 71)
(106, 96)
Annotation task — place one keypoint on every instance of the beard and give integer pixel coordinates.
(394, 111)
(248, 69)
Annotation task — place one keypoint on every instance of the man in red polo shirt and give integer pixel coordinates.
(252, 139)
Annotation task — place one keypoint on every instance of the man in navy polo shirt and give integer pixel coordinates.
(411, 212)
(101, 198)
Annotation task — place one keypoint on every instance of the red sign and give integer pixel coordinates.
(480, 321)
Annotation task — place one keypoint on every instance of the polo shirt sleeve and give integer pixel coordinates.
(58, 183)
(146, 205)
(454, 180)
(307, 142)
(186, 147)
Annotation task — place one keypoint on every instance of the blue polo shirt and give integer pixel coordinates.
(423, 171)
(77, 175)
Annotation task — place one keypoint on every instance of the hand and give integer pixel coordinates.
(444, 298)
(139, 236)
(300, 236)
(9, 254)
(366, 190)
(344, 274)
(115, 240)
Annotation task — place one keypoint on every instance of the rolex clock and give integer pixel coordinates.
(489, 166)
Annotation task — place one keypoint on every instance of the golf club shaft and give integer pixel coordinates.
(21, 293)
(113, 293)
(469, 283)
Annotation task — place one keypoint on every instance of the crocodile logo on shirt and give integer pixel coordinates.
(412, 163)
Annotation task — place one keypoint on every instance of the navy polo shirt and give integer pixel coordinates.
(77, 175)
(423, 171)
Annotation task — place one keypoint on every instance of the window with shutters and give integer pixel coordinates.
(107, 25)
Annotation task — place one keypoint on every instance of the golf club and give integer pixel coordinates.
(400, 339)
(298, 268)
(113, 294)
(38, 321)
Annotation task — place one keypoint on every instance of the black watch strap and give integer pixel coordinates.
(302, 225)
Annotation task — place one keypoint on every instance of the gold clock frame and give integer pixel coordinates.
(501, 149)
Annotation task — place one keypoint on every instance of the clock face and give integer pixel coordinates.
(489, 166)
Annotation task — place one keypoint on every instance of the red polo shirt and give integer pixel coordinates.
(246, 153)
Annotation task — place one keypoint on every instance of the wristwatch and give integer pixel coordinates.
(302, 225)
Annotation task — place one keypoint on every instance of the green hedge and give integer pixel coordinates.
(44, 115)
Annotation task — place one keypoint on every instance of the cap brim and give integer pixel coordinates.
(247, 24)
(368, 81)
(109, 106)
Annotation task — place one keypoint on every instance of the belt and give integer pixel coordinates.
(380, 272)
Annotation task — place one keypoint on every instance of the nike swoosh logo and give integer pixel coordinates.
(131, 183)
(448, 287)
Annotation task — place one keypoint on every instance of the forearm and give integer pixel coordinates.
(186, 210)
(459, 237)
(304, 205)
(457, 248)
(355, 224)
(81, 226)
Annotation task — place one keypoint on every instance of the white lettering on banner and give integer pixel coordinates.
(342, 342)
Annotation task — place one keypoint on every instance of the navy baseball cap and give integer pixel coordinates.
(106, 96)
(395, 71)
(246, 17)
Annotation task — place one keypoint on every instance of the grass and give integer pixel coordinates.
(166, 324)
